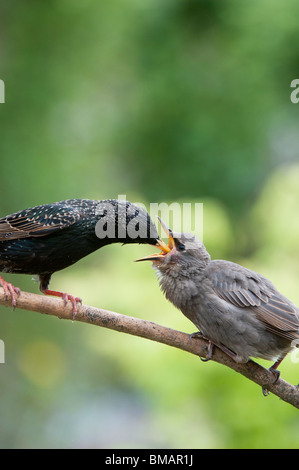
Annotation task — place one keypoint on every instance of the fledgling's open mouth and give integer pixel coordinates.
(165, 249)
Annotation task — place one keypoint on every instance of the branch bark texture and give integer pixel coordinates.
(149, 330)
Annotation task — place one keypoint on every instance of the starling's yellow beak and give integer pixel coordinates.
(165, 249)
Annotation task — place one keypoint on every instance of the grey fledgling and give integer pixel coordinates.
(235, 308)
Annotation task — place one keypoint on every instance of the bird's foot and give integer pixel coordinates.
(276, 374)
(74, 300)
(66, 297)
(198, 334)
(210, 352)
(11, 290)
(211, 345)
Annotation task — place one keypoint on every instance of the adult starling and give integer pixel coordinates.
(235, 308)
(47, 238)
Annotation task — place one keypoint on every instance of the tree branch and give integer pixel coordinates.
(149, 330)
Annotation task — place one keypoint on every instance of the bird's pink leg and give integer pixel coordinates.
(65, 297)
(10, 289)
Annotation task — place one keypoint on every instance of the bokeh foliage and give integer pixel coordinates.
(160, 101)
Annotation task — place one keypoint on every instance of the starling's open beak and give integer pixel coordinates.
(165, 249)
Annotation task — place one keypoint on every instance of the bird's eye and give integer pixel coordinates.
(181, 247)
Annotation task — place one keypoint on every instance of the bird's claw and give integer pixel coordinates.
(276, 374)
(74, 300)
(211, 345)
(65, 297)
(210, 352)
(10, 289)
(198, 334)
(265, 391)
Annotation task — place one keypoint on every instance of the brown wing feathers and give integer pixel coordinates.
(279, 316)
(37, 221)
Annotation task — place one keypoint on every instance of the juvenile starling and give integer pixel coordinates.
(47, 238)
(235, 308)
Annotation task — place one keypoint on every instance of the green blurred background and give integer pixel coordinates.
(168, 101)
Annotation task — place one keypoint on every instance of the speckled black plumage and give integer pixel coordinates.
(47, 238)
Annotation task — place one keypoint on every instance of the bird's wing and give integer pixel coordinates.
(245, 288)
(38, 221)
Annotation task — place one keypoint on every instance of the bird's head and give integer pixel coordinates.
(124, 222)
(184, 252)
